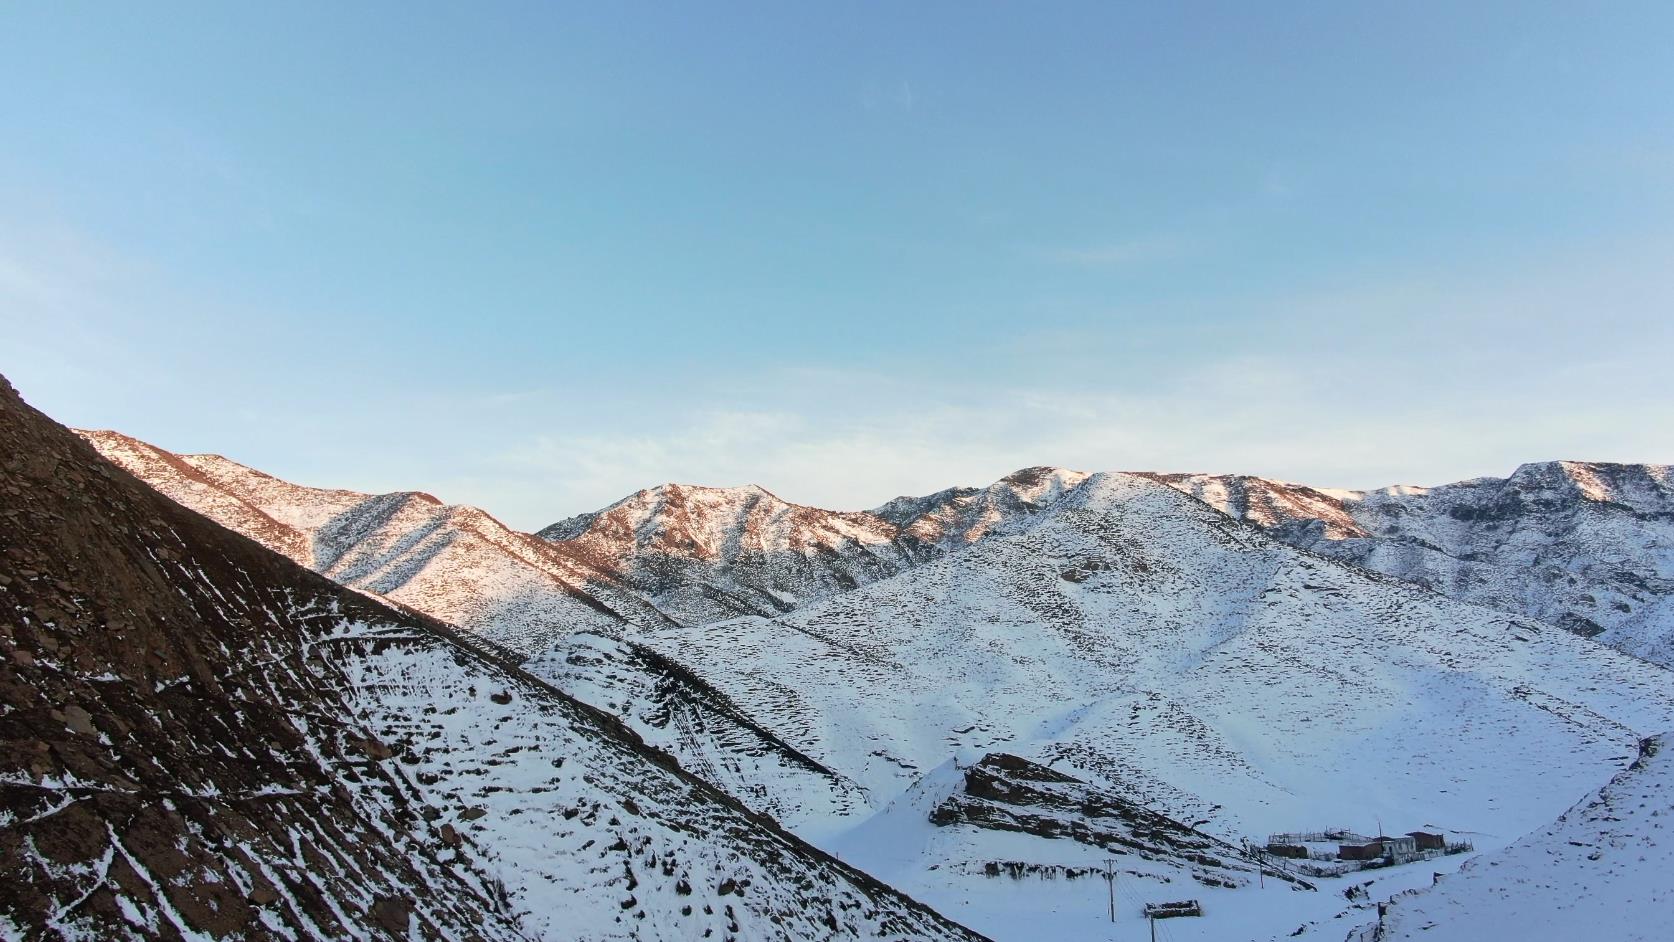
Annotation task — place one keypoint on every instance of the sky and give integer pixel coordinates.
(535, 257)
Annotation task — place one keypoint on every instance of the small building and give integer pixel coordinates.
(1360, 850)
(1428, 840)
(1292, 851)
(1399, 848)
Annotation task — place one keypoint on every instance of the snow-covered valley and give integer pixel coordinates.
(1159, 645)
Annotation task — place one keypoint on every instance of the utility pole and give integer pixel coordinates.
(1252, 852)
(1153, 929)
(1110, 881)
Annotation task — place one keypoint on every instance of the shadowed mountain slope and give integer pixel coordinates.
(201, 739)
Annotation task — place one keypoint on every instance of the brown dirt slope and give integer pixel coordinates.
(158, 777)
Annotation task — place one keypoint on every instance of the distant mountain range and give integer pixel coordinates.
(1587, 546)
(1233, 654)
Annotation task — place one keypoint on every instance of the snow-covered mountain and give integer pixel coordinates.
(1601, 871)
(1588, 546)
(1138, 640)
(206, 741)
(534, 598)
(451, 562)
(705, 554)
(1152, 650)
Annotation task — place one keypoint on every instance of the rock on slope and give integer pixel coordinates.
(1003, 792)
(1601, 871)
(452, 562)
(1588, 546)
(203, 740)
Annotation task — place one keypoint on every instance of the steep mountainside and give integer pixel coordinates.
(1601, 871)
(679, 712)
(706, 554)
(1135, 639)
(1138, 640)
(452, 562)
(1587, 546)
(200, 739)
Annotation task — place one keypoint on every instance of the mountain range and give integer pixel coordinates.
(1232, 654)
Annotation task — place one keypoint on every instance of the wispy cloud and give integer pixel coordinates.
(1144, 250)
(890, 96)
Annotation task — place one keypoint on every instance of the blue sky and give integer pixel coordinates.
(534, 257)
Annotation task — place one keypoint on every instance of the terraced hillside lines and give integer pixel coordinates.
(1155, 646)
(327, 767)
(590, 834)
(679, 712)
(1588, 546)
(173, 766)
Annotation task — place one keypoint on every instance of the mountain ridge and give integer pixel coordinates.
(1588, 546)
(203, 739)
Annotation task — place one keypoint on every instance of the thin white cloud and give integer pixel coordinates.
(1143, 250)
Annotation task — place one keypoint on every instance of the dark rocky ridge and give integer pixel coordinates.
(199, 738)
(156, 779)
(1008, 793)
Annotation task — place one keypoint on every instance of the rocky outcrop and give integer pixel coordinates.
(1004, 792)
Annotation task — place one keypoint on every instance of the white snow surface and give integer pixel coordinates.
(1138, 639)
(1603, 870)
(1107, 625)
(1145, 640)
(592, 836)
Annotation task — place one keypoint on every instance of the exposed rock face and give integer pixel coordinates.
(705, 554)
(173, 762)
(1007, 793)
(1587, 546)
(200, 739)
